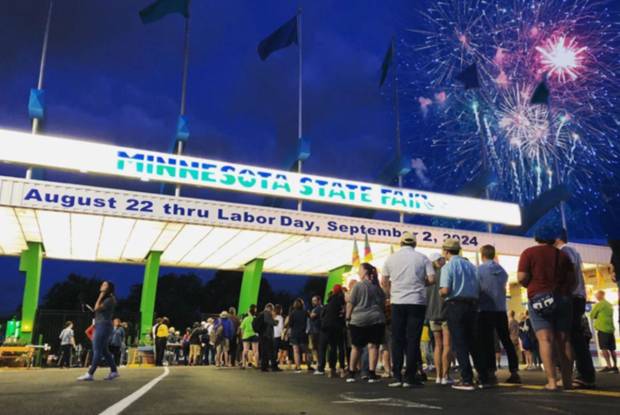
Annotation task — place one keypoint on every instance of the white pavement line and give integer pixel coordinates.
(124, 403)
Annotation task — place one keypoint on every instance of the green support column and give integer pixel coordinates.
(335, 276)
(250, 285)
(149, 292)
(30, 262)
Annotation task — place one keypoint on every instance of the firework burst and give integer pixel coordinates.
(571, 45)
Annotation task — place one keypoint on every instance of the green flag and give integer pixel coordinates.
(161, 8)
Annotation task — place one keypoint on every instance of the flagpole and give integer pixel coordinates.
(299, 103)
(179, 149)
(397, 111)
(35, 121)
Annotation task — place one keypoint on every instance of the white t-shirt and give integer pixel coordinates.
(408, 270)
(277, 330)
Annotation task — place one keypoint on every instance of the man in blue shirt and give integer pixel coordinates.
(493, 318)
(460, 287)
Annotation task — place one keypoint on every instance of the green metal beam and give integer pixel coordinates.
(30, 262)
(250, 285)
(335, 276)
(149, 293)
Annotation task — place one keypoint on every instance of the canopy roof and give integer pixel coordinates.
(95, 224)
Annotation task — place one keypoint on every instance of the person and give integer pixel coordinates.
(232, 313)
(277, 330)
(265, 339)
(297, 336)
(549, 277)
(460, 287)
(513, 330)
(614, 266)
(161, 339)
(117, 340)
(194, 344)
(585, 374)
(436, 316)
(406, 273)
(314, 329)
(526, 340)
(67, 345)
(249, 338)
(366, 317)
(332, 332)
(493, 320)
(104, 310)
(224, 332)
(154, 335)
(186, 345)
(603, 315)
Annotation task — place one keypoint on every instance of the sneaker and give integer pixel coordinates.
(413, 383)
(298, 371)
(351, 378)
(87, 377)
(397, 384)
(373, 378)
(438, 380)
(614, 370)
(605, 370)
(111, 376)
(463, 386)
(319, 373)
(365, 377)
(447, 381)
(514, 379)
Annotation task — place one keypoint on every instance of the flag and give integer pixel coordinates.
(161, 8)
(355, 259)
(540, 95)
(283, 37)
(469, 77)
(367, 252)
(387, 62)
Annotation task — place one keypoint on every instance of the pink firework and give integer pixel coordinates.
(562, 57)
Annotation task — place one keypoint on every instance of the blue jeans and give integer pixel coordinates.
(101, 340)
(462, 319)
(407, 323)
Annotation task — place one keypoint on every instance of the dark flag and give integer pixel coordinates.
(161, 8)
(540, 95)
(283, 37)
(387, 62)
(469, 77)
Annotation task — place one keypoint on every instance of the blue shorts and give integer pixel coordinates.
(560, 320)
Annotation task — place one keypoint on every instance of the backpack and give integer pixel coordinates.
(258, 323)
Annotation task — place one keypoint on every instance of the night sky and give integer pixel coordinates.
(110, 78)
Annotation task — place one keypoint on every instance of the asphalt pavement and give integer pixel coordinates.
(207, 390)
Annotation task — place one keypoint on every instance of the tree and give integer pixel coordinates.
(313, 286)
(71, 293)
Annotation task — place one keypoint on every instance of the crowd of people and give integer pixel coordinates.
(424, 314)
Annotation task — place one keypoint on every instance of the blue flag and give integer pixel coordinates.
(161, 8)
(284, 36)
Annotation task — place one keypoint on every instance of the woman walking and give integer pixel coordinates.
(104, 309)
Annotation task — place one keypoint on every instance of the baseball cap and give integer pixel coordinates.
(451, 244)
(435, 256)
(407, 238)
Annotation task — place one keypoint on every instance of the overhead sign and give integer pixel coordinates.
(89, 157)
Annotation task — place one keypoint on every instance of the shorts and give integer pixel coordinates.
(606, 341)
(298, 340)
(560, 320)
(223, 346)
(253, 339)
(364, 335)
(438, 325)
